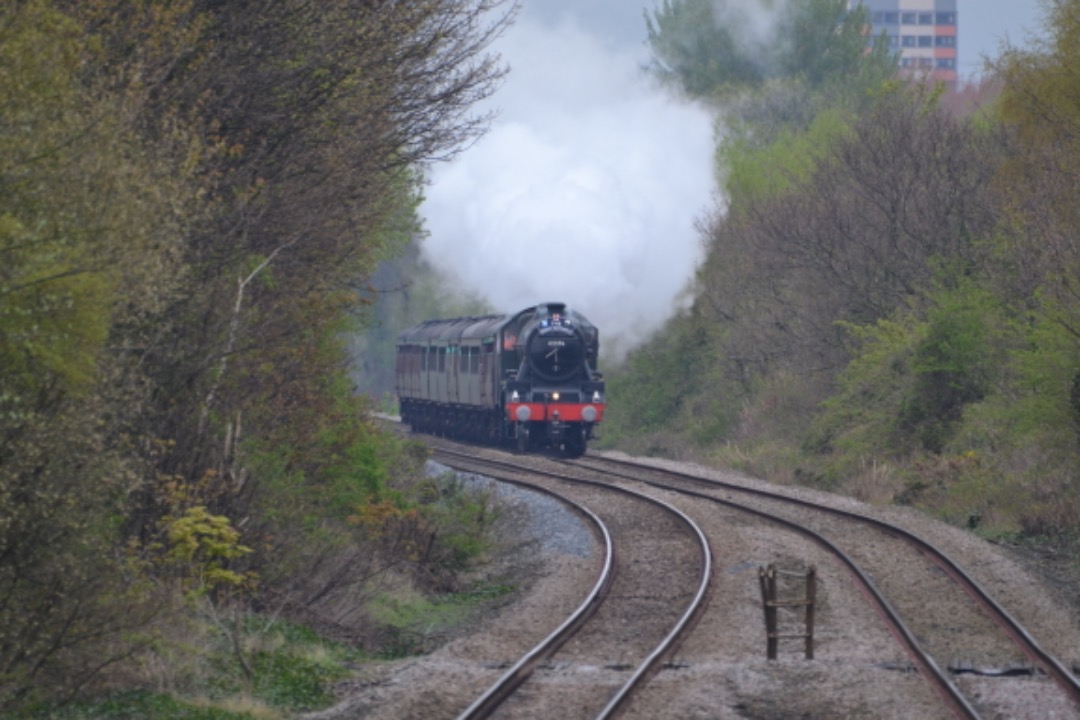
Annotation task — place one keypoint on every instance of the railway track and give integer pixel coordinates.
(648, 590)
(978, 634)
(950, 694)
(982, 634)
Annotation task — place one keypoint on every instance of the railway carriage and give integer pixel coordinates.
(529, 379)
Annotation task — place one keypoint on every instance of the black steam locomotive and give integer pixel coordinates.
(528, 379)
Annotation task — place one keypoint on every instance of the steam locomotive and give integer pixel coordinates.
(528, 380)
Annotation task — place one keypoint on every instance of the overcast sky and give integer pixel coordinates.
(589, 183)
(985, 24)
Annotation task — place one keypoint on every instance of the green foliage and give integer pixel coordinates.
(295, 682)
(756, 171)
(671, 397)
(441, 524)
(292, 667)
(1044, 399)
(323, 467)
(57, 283)
(823, 43)
(910, 379)
(202, 544)
(87, 234)
(942, 243)
(861, 418)
(138, 704)
(192, 199)
(715, 49)
(953, 365)
(649, 390)
(55, 316)
(702, 46)
(293, 671)
(413, 622)
(464, 518)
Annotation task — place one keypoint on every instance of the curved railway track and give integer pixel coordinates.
(842, 534)
(637, 610)
(766, 506)
(950, 694)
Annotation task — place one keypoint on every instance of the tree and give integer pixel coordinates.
(852, 234)
(716, 50)
(1040, 105)
(321, 114)
(89, 223)
(192, 196)
(823, 43)
(702, 47)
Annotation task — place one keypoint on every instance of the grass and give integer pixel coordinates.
(293, 670)
(139, 704)
(417, 623)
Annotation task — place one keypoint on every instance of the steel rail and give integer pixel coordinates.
(950, 694)
(494, 696)
(646, 665)
(1049, 664)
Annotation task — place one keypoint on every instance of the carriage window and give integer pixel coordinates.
(442, 359)
(474, 360)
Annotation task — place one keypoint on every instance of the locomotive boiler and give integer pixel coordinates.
(528, 380)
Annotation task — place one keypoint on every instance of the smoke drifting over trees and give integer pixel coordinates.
(584, 190)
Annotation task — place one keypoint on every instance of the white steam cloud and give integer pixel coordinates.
(585, 190)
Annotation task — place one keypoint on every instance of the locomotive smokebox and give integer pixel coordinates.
(555, 353)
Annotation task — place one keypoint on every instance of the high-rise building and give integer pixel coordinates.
(924, 32)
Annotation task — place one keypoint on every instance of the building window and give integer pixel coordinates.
(946, 63)
(894, 41)
(908, 18)
(926, 18)
(926, 41)
(906, 62)
(908, 41)
(945, 41)
(945, 18)
(926, 62)
(892, 18)
(877, 18)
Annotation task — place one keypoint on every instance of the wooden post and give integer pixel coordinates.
(767, 579)
(811, 599)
